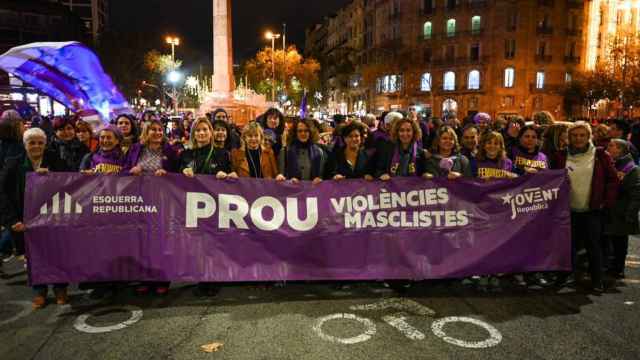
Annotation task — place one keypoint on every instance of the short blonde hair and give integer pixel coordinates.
(33, 133)
(252, 128)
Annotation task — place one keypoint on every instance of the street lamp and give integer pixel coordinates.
(271, 36)
(173, 41)
(174, 77)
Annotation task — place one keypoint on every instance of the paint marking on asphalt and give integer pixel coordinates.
(633, 257)
(399, 321)
(631, 281)
(398, 304)
(629, 303)
(370, 329)
(495, 337)
(81, 325)
(26, 309)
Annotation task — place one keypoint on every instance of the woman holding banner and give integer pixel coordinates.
(153, 155)
(446, 160)
(527, 157)
(208, 154)
(402, 156)
(13, 181)
(491, 161)
(65, 145)
(108, 159)
(254, 158)
(350, 161)
(302, 159)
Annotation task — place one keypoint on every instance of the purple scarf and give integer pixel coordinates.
(395, 161)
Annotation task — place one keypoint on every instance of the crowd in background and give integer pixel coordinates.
(601, 162)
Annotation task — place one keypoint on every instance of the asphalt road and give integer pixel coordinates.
(443, 320)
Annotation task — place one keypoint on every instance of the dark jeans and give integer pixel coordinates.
(42, 290)
(620, 249)
(18, 242)
(586, 229)
(6, 245)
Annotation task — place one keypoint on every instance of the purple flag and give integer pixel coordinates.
(70, 73)
(117, 228)
(303, 106)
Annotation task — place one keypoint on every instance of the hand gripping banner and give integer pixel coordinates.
(118, 228)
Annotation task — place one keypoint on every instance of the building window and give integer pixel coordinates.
(537, 103)
(473, 103)
(568, 77)
(509, 77)
(427, 55)
(508, 101)
(449, 81)
(509, 48)
(474, 80)
(427, 30)
(542, 48)
(475, 25)
(512, 20)
(451, 27)
(450, 52)
(474, 52)
(540, 80)
(389, 84)
(425, 83)
(428, 6)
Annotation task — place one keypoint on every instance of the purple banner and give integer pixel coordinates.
(112, 228)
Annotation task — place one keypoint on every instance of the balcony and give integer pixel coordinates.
(544, 30)
(460, 61)
(548, 88)
(548, 3)
(544, 59)
(572, 59)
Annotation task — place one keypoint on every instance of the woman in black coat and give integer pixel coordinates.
(402, 157)
(13, 186)
(350, 161)
(623, 217)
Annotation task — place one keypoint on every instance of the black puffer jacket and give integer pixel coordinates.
(70, 153)
(206, 161)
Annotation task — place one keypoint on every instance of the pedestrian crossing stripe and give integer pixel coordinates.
(633, 257)
(631, 281)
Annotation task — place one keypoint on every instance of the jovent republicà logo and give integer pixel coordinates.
(530, 200)
(61, 206)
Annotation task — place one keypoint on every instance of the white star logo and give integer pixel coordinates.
(507, 199)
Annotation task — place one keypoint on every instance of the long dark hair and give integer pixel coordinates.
(135, 132)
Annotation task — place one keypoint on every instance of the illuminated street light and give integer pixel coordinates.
(271, 36)
(174, 76)
(173, 41)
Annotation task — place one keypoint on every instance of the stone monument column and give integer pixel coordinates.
(223, 81)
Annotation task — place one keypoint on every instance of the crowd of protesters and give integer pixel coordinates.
(601, 162)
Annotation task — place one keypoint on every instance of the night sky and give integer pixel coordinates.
(191, 20)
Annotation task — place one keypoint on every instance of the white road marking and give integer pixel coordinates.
(80, 323)
(399, 321)
(370, 329)
(633, 264)
(26, 310)
(494, 335)
(398, 304)
(629, 303)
